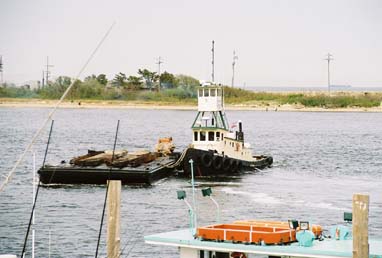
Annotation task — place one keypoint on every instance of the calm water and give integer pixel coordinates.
(321, 159)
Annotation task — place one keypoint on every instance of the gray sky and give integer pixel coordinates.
(279, 43)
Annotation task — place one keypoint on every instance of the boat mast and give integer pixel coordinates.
(235, 57)
(213, 61)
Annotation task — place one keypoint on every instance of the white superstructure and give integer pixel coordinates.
(211, 130)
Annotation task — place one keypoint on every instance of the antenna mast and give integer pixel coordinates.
(159, 63)
(1, 70)
(47, 72)
(235, 57)
(213, 61)
(329, 58)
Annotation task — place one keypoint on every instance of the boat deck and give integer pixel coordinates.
(321, 249)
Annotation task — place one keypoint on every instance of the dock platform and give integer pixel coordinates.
(328, 248)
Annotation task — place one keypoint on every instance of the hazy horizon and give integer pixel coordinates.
(278, 42)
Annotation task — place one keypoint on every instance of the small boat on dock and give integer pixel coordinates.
(217, 148)
(96, 167)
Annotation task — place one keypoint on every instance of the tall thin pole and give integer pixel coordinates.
(43, 79)
(235, 57)
(213, 61)
(329, 58)
(33, 199)
(193, 193)
(1, 70)
(47, 70)
(159, 63)
(107, 190)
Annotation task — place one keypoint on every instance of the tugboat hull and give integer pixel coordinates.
(209, 163)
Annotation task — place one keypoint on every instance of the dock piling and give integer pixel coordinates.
(113, 227)
(360, 226)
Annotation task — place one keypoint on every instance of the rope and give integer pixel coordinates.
(180, 160)
(107, 189)
(37, 190)
(37, 134)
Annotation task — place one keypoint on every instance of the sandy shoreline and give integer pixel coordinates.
(37, 103)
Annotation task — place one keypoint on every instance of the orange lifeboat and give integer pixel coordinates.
(247, 233)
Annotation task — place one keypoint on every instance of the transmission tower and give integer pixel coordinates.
(235, 57)
(329, 58)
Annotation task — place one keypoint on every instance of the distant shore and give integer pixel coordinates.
(116, 104)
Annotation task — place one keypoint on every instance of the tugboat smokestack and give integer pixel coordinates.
(240, 127)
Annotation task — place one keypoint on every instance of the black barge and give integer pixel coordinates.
(73, 174)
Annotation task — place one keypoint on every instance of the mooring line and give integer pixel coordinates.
(37, 134)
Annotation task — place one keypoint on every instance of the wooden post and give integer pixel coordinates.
(360, 226)
(113, 230)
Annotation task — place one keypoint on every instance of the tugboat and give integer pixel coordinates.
(217, 149)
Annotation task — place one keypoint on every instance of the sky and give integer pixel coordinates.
(278, 42)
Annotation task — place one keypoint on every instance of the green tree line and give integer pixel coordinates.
(146, 85)
(149, 86)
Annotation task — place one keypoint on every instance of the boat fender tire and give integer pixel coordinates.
(226, 164)
(217, 163)
(234, 165)
(239, 166)
(206, 160)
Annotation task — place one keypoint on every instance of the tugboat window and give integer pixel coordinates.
(219, 92)
(211, 136)
(206, 93)
(195, 136)
(217, 136)
(202, 136)
(200, 93)
(213, 92)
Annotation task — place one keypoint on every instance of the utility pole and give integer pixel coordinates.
(1, 70)
(47, 72)
(43, 79)
(329, 58)
(213, 61)
(235, 57)
(159, 63)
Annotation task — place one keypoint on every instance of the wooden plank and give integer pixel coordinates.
(360, 226)
(113, 229)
